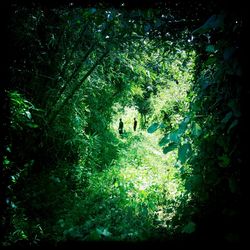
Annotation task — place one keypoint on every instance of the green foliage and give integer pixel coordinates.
(203, 137)
(74, 73)
(214, 22)
(184, 152)
(129, 200)
(189, 228)
(164, 140)
(170, 147)
(196, 130)
(22, 112)
(153, 128)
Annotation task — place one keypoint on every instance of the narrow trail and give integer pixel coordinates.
(135, 198)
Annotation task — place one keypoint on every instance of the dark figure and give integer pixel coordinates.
(120, 127)
(135, 124)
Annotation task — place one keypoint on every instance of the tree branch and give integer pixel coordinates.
(76, 88)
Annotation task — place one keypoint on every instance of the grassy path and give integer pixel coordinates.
(135, 198)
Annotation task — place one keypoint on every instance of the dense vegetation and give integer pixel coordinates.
(74, 71)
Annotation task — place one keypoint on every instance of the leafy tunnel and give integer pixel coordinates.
(74, 70)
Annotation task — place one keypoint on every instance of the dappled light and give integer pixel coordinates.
(123, 124)
(136, 196)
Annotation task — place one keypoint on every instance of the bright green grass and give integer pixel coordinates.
(134, 199)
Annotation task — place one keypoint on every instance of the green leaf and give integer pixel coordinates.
(196, 130)
(227, 117)
(6, 162)
(32, 125)
(210, 48)
(175, 136)
(147, 27)
(162, 125)
(194, 182)
(169, 148)
(92, 10)
(233, 124)
(184, 152)
(189, 228)
(164, 140)
(28, 114)
(94, 235)
(210, 61)
(224, 161)
(104, 232)
(23, 235)
(214, 22)
(205, 84)
(183, 125)
(153, 128)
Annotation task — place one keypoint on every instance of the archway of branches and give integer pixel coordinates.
(74, 72)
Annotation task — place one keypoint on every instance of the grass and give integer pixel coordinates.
(133, 199)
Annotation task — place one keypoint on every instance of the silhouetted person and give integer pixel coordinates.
(135, 124)
(120, 127)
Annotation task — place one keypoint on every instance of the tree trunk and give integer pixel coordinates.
(76, 88)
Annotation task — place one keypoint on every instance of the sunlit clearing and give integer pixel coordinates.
(142, 189)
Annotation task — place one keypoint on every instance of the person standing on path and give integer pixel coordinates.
(135, 124)
(120, 129)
